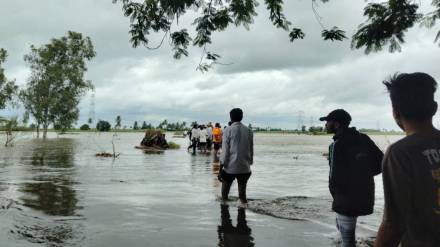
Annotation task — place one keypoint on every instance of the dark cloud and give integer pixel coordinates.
(272, 79)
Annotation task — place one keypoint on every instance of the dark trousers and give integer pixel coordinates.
(193, 145)
(241, 181)
(209, 144)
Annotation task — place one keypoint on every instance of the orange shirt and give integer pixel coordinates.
(217, 135)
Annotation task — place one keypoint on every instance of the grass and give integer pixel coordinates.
(173, 145)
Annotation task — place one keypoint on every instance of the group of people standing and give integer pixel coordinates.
(410, 167)
(203, 137)
(237, 145)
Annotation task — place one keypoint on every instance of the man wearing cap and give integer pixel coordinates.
(354, 160)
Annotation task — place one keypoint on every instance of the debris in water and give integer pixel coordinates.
(107, 155)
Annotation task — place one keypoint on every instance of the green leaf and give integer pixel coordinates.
(387, 23)
(296, 33)
(333, 34)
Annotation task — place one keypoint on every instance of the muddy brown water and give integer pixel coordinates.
(57, 193)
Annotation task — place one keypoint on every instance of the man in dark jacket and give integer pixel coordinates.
(354, 160)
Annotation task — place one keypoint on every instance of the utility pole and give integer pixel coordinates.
(300, 119)
(92, 108)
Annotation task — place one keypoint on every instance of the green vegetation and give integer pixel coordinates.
(7, 88)
(173, 145)
(57, 81)
(84, 127)
(8, 126)
(386, 23)
(103, 126)
(164, 125)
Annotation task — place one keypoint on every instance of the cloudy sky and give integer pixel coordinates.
(275, 82)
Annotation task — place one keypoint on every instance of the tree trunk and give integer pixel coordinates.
(7, 139)
(45, 123)
(45, 131)
(38, 131)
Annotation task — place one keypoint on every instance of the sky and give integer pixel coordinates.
(277, 83)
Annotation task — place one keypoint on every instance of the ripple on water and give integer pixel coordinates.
(316, 210)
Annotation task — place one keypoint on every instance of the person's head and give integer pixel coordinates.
(217, 125)
(236, 115)
(201, 127)
(195, 126)
(336, 120)
(412, 97)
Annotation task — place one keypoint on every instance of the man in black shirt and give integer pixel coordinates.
(354, 160)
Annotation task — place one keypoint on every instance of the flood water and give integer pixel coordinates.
(57, 193)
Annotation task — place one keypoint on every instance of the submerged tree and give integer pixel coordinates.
(386, 23)
(7, 91)
(57, 81)
(7, 88)
(9, 127)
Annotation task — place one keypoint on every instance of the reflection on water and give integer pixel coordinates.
(51, 188)
(234, 236)
(48, 192)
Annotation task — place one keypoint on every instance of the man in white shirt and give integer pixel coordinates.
(209, 136)
(195, 134)
(203, 134)
(236, 157)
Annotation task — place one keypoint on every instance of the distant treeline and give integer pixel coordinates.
(103, 125)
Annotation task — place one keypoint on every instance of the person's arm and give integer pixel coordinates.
(377, 156)
(224, 156)
(388, 235)
(340, 162)
(251, 144)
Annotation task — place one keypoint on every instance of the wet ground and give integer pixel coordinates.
(57, 193)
